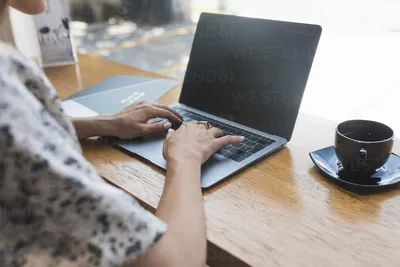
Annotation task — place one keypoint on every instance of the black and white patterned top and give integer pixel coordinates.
(54, 209)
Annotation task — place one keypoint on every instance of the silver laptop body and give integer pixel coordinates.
(249, 74)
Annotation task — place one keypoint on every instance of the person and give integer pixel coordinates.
(56, 211)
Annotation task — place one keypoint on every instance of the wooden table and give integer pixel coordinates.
(279, 212)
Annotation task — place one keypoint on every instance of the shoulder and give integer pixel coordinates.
(16, 70)
(23, 78)
(11, 57)
(6, 49)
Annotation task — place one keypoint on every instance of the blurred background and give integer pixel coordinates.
(355, 72)
(157, 34)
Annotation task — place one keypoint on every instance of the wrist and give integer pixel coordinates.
(106, 125)
(102, 125)
(182, 163)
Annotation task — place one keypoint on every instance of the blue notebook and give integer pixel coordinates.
(117, 92)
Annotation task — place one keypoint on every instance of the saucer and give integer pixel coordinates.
(389, 174)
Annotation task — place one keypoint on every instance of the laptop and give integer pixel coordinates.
(247, 77)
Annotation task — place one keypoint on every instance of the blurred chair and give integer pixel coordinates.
(93, 10)
(222, 6)
(140, 11)
(157, 11)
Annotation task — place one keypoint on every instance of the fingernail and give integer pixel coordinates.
(242, 137)
(170, 130)
(167, 125)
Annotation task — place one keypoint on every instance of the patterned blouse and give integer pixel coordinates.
(54, 209)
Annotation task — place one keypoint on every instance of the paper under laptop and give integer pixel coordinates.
(114, 94)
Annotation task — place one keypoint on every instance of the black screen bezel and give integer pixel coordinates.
(205, 17)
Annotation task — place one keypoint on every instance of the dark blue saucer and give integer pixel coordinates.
(389, 174)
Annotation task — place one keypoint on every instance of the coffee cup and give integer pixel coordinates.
(362, 146)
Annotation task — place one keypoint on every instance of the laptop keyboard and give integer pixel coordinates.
(237, 152)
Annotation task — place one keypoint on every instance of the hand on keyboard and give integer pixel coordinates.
(194, 142)
(239, 151)
(132, 121)
(174, 126)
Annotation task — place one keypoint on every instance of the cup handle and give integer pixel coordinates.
(363, 158)
(363, 155)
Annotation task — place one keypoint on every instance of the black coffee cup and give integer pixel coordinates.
(363, 146)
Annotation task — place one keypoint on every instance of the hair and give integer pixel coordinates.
(6, 34)
(3, 9)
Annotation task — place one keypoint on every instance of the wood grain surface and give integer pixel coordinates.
(279, 212)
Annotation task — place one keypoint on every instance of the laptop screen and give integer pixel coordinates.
(250, 71)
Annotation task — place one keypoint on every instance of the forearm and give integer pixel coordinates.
(181, 207)
(93, 126)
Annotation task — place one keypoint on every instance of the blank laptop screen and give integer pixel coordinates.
(250, 71)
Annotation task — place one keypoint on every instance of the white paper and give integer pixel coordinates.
(75, 110)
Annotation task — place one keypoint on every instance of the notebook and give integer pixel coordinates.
(114, 94)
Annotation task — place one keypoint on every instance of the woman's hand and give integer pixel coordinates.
(181, 205)
(192, 141)
(130, 123)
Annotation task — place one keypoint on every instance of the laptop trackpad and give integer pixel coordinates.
(149, 147)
